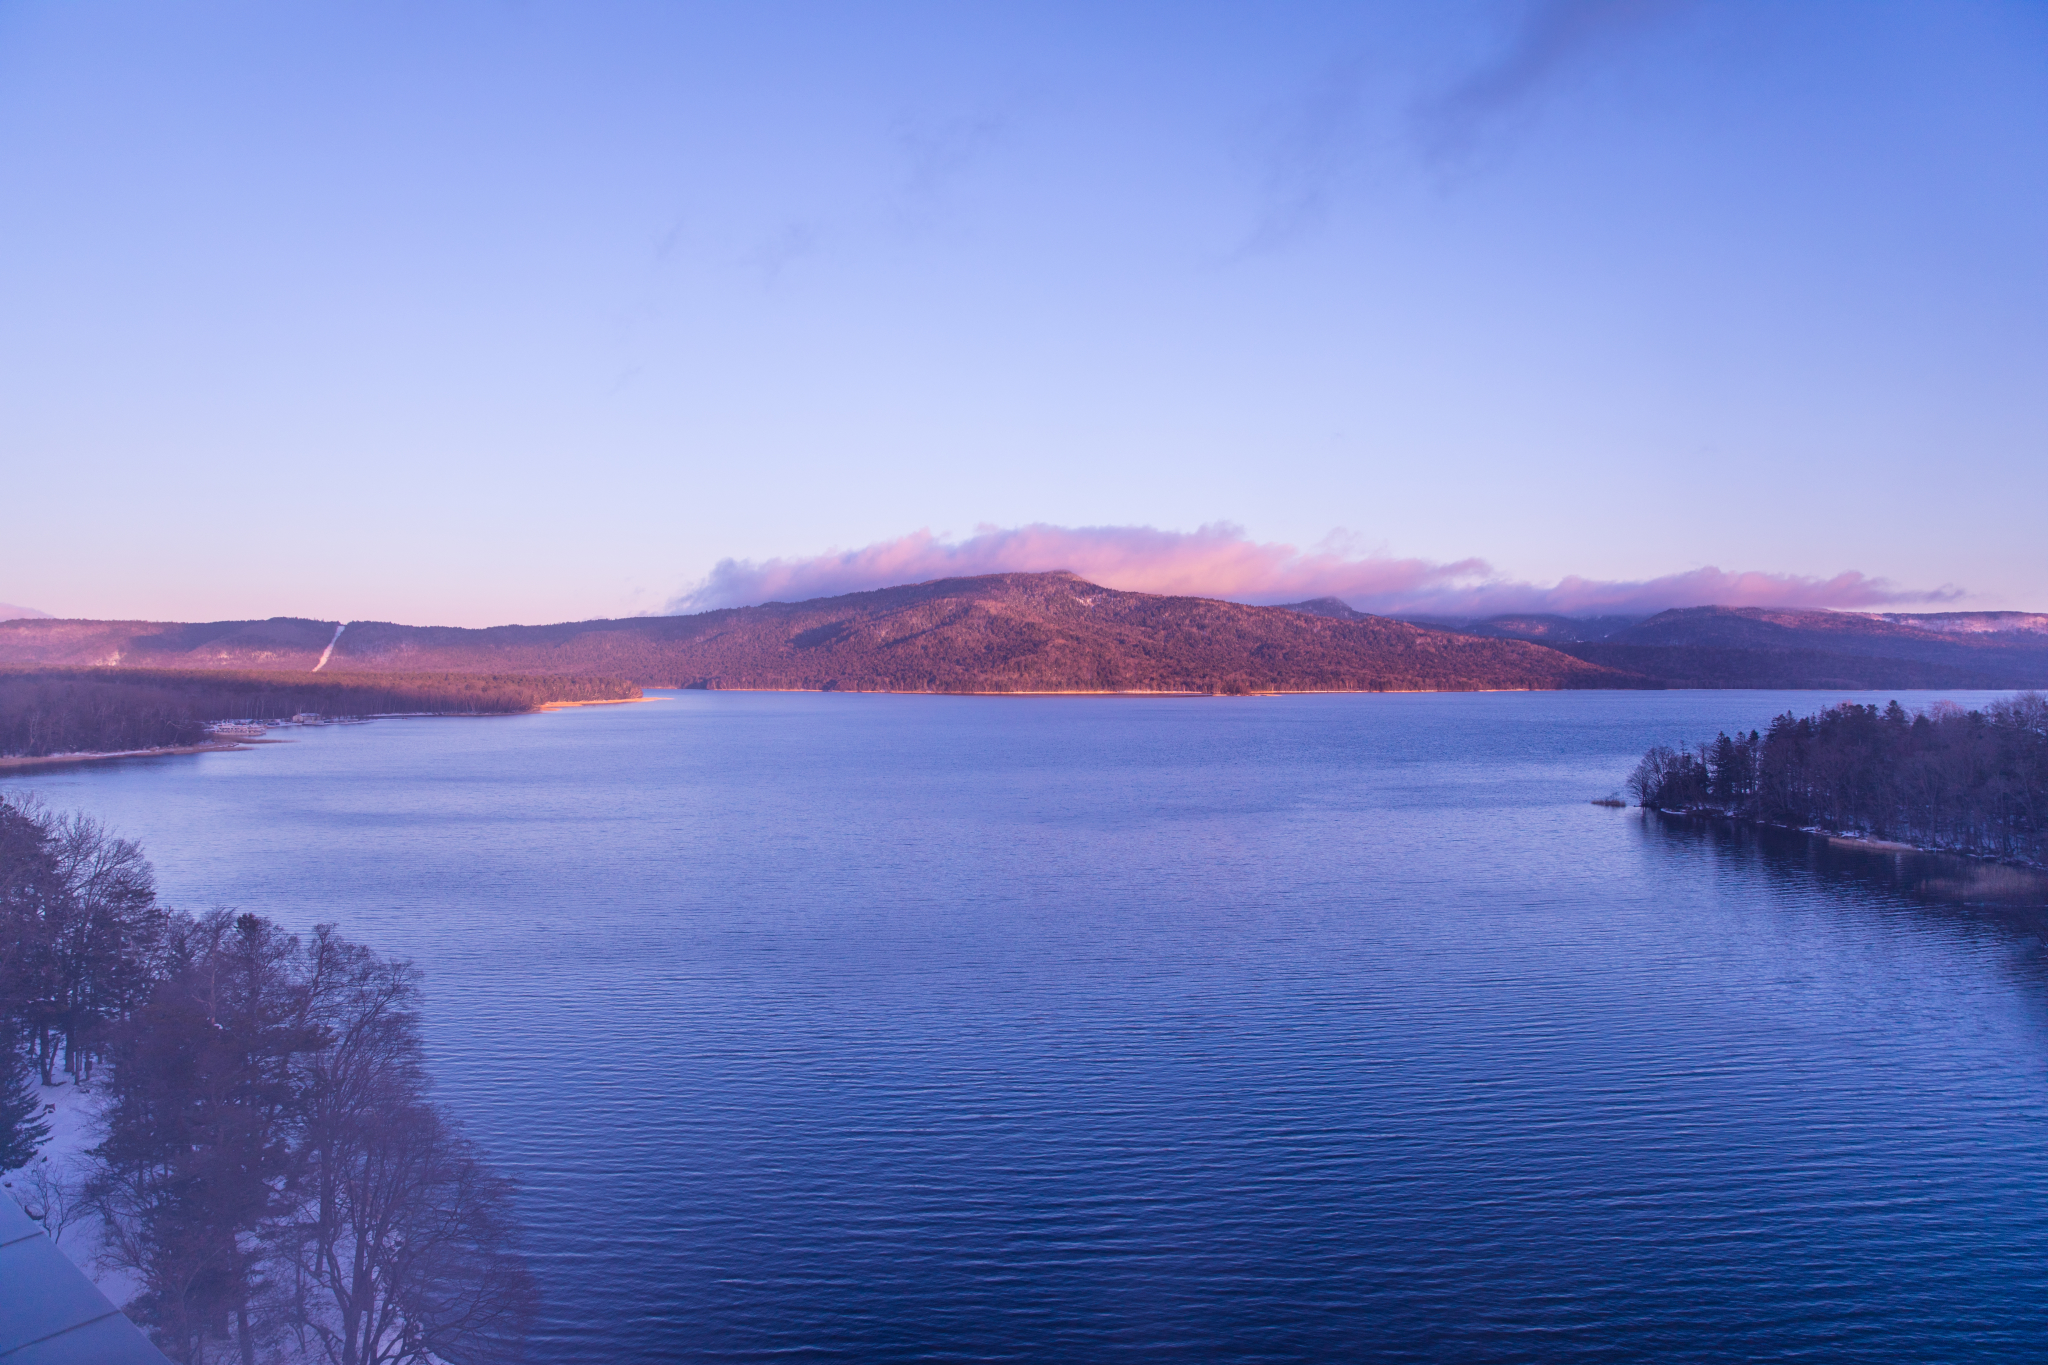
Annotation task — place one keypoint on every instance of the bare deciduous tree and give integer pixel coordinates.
(81, 931)
(273, 1170)
(408, 1257)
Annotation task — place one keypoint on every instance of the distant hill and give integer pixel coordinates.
(1545, 629)
(1056, 632)
(1945, 637)
(1336, 608)
(1972, 622)
(1048, 632)
(286, 644)
(1762, 647)
(10, 612)
(1765, 647)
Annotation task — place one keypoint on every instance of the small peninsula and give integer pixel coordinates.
(1970, 782)
(53, 714)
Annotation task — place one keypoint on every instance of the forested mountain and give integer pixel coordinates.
(1937, 638)
(1766, 648)
(1761, 647)
(284, 643)
(1548, 629)
(1057, 632)
(999, 633)
(1770, 648)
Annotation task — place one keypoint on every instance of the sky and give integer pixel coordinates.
(476, 313)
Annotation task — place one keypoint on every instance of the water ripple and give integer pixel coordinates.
(843, 1028)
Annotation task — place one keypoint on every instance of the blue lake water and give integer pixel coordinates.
(1280, 1029)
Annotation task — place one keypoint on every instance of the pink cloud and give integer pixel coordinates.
(1218, 560)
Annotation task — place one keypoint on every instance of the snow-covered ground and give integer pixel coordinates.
(49, 1187)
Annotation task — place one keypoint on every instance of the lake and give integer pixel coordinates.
(838, 1028)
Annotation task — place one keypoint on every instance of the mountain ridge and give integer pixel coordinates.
(1052, 632)
(1774, 647)
(1057, 632)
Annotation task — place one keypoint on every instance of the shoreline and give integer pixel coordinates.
(596, 701)
(1882, 845)
(1852, 841)
(1140, 692)
(13, 763)
(23, 762)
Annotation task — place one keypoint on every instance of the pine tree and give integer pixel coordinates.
(22, 1129)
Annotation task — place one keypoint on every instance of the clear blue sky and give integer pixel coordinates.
(471, 313)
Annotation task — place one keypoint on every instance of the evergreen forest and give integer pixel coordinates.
(1968, 781)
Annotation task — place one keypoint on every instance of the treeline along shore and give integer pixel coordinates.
(270, 1168)
(45, 711)
(1973, 782)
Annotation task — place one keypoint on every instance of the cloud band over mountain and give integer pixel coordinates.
(1219, 560)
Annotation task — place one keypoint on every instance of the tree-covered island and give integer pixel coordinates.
(1972, 782)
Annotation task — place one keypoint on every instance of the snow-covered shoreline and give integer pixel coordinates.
(29, 762)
